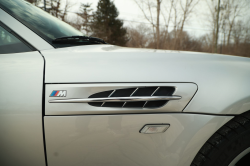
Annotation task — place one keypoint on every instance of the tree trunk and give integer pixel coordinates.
(44, 1)
(158, 23)
(229, 33)
(217, 27)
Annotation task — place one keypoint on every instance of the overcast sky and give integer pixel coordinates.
(197, 24)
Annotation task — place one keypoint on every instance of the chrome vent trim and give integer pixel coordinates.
(130, 96)
(147, 97)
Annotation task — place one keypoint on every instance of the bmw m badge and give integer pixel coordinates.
(58, 93)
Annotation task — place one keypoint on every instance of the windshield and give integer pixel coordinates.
(42, 23)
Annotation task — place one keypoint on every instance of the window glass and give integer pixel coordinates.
(10, 44)
(42, 23)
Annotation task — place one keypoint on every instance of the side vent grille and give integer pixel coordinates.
(133, 92)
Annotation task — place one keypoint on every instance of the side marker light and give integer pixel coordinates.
(154, 128)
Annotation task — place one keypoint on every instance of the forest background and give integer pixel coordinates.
(164, 23)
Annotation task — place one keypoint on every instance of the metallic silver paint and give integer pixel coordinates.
(185, 90)
(223, 80)
(116, 99)
(21, 134)
(111, 140)
(24, 32)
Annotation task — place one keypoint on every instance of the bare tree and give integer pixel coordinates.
(66, 9)
(241, 38)
(182, 11)
(223, 15)
(168, 7)
(234, 9)
(216, 18)
(217, 27)
(85, 13)
(139, 36)
(158, 22)
(75, 22)
(53, 7)
(148, 6)
(187, 9)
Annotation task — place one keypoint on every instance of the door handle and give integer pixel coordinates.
(116, 99)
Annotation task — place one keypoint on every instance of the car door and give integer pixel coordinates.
(21, 89)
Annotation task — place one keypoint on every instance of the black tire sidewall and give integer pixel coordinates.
(231, 148)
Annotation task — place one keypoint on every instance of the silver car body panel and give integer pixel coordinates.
(111, 140)
(21, 128)
(223, 81)
(223, 88)
(185, 90)
(27, 34)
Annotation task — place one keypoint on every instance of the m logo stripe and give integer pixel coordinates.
(53, 93)
(58, 93)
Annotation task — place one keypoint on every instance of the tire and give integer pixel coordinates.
(226, 144)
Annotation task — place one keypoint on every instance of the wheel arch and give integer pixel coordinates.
(240, 123)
